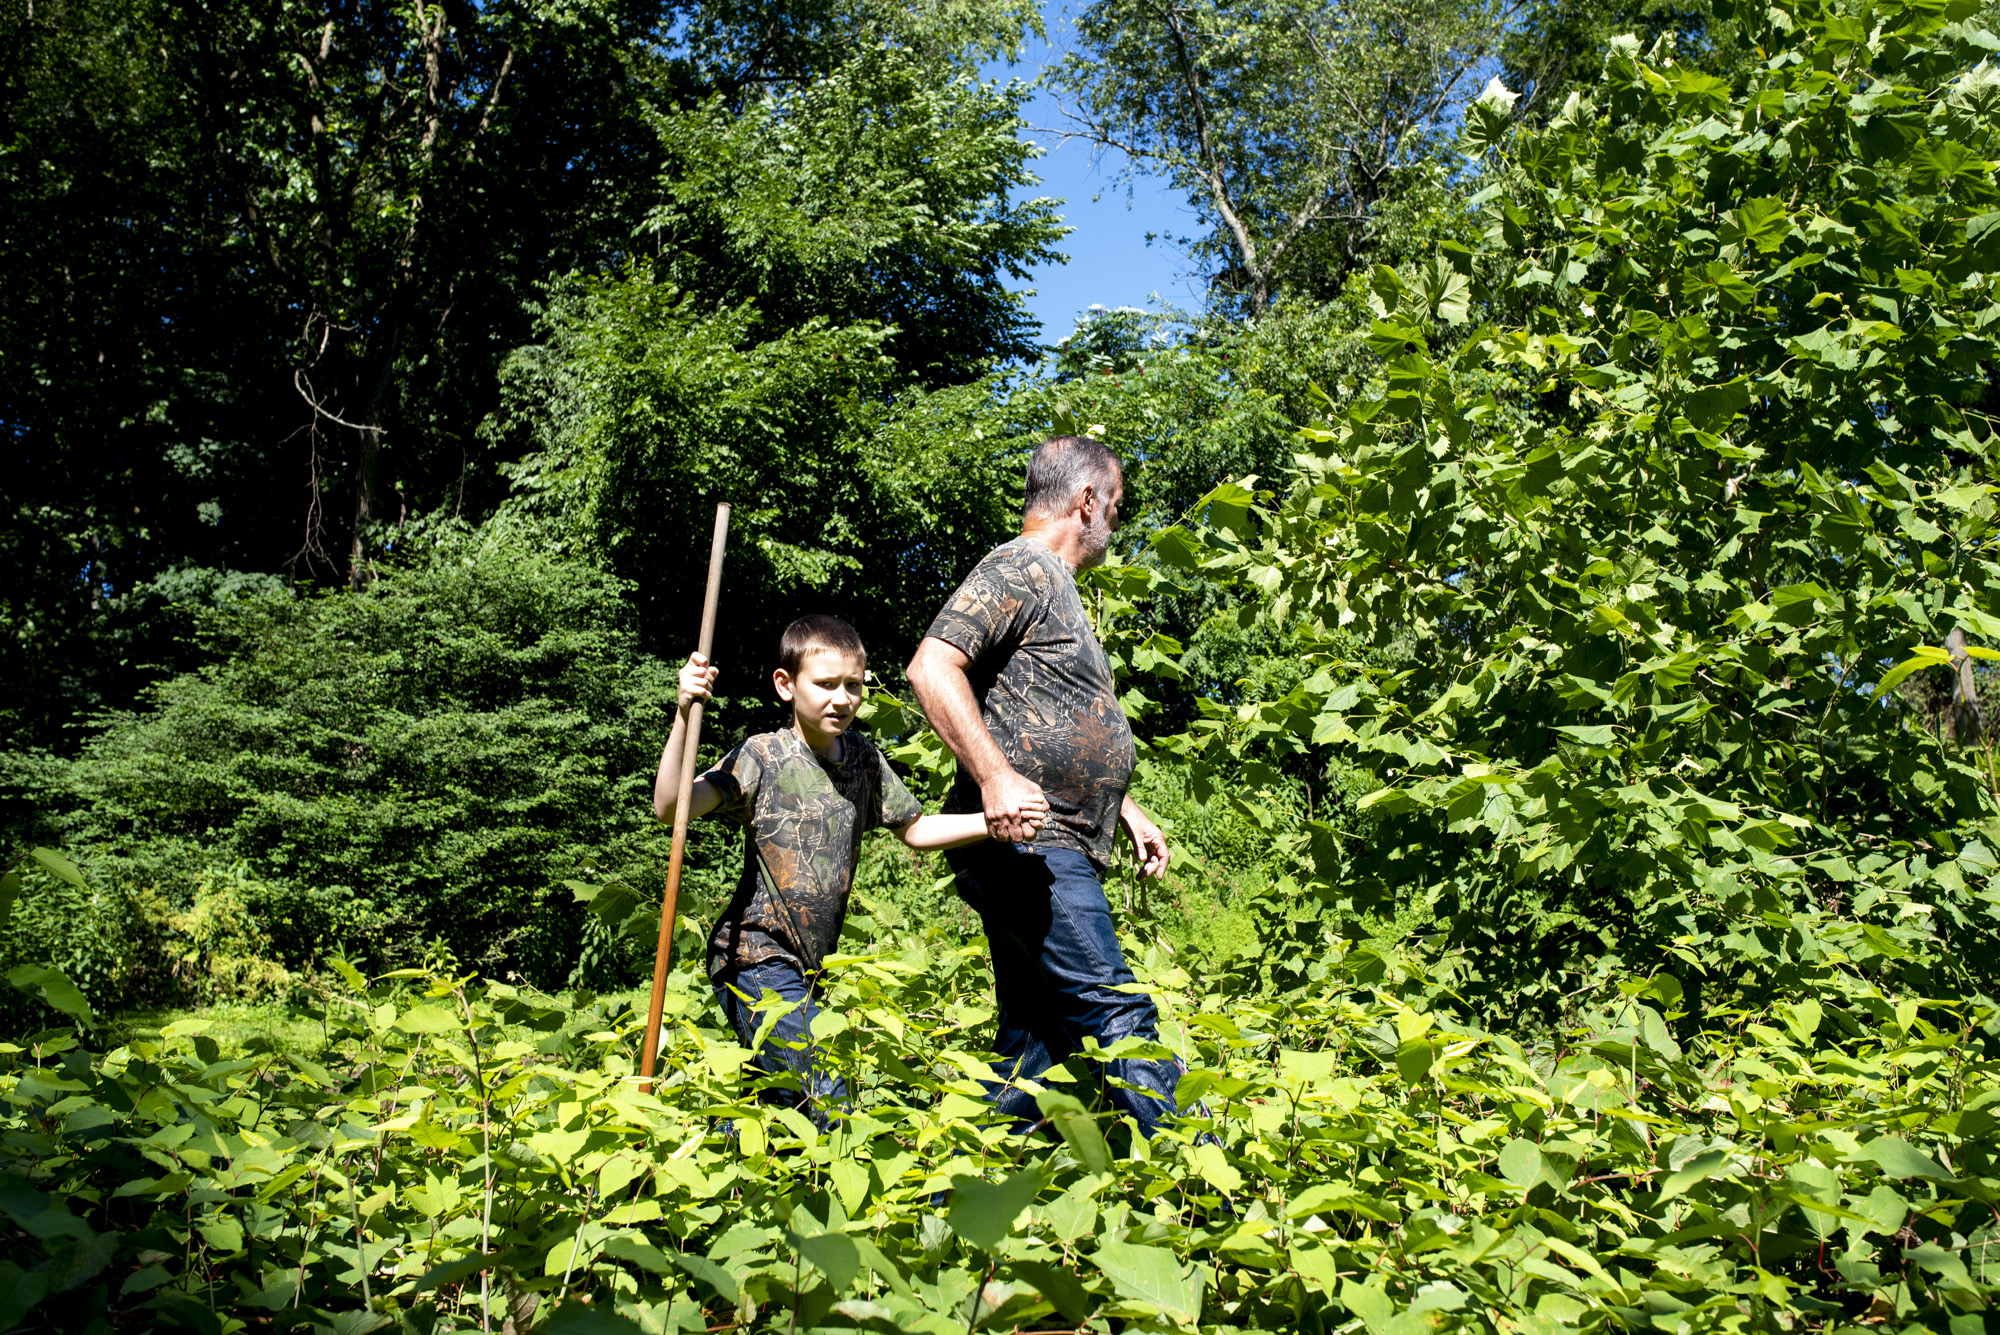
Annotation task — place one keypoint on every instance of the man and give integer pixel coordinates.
(1015, 682)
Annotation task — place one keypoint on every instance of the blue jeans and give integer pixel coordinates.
(1056, 961)
(788, 1048)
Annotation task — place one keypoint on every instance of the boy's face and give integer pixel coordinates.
(824, 693)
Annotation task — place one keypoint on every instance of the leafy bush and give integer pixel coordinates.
(51, 917)
(423, 759)
(1669, 544)
(463, 1155)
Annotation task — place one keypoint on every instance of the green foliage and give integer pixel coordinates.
(1659, 545)
(425, 759)
(458, 1153)
(821, 254)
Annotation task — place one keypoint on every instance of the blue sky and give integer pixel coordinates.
(1110, 262)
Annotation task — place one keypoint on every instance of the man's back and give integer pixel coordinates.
(1045, 692)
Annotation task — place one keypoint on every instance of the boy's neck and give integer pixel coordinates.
(824, 745)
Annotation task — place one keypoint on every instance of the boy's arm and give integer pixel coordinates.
(928, 833)
(696, 679)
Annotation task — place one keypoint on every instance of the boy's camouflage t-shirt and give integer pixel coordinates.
(804, 818)
(1045, 693)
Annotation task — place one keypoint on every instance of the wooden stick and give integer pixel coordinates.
(670, 905)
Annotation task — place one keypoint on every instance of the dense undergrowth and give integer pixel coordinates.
(457, 1155)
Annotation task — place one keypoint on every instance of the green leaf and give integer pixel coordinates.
(1414, 1058)
(1713, 406)
(10, 890)
(577, 1318)
(1594, 735)
(452, 1272)
(1926, 656)
(1228, 508)
(1179, 548)
(1059, 1286)
(58, 866)
(1521, 1163)
(1701, 1168)
(984, 1213)
(54, 988)
(1376, 1308)
(428, 1019)
(1151, 1275)
(1076, 1126)
(1900, 1159)
(1324, 1196)
(1764, 223)
(834, 1254)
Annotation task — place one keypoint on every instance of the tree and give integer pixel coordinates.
(1288, 127)
(822, 257)
(1560, 45)
(1672, 543)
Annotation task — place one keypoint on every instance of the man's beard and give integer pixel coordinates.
(1093, 542)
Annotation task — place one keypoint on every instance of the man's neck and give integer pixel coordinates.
(1061, 536)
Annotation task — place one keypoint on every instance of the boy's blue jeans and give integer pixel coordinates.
(1056, 961)
(821, 1094)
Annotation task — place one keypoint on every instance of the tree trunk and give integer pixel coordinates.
(1966, 725)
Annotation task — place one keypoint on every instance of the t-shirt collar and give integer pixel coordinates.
(846, 749)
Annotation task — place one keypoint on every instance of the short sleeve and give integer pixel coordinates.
(894, 808)
(992, 608)
(736, 778)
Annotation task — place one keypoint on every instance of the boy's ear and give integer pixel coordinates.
(783, 681)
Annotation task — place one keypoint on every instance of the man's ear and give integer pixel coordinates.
(783, 681)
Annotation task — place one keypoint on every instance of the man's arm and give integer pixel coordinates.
(937, 675)
(1149, 844)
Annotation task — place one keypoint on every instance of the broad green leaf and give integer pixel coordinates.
(984, 1213)
(53, 988)
(1151, 1275)
(1764, 223)
(1521, 1163)
(577, 1318)
(58, 865)
(1215, 1169)
(834, 1254)
(1703, 1167)
(455, 1272)
(1368, 1301)
(1324, 1196)
(428, 1019)
(1057, 1285)
(1900, 1159)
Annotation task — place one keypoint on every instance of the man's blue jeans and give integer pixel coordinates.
(1056, 963)
(821, 1095)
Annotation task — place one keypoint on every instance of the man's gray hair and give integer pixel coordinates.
(1063, 466)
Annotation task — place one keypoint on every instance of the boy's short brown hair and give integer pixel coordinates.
(817, 632)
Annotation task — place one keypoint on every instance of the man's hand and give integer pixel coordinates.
(1149, 844)
(1015, 806)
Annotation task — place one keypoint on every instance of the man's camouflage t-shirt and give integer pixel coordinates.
(804, 817)
(1045, 693)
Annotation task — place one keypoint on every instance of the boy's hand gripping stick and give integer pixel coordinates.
(670, 905)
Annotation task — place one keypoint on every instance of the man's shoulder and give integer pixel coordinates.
(1025, 563)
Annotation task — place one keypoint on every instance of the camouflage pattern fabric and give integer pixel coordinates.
(1045, 692)
(804, 817)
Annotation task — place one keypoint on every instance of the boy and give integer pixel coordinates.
(805, 796)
